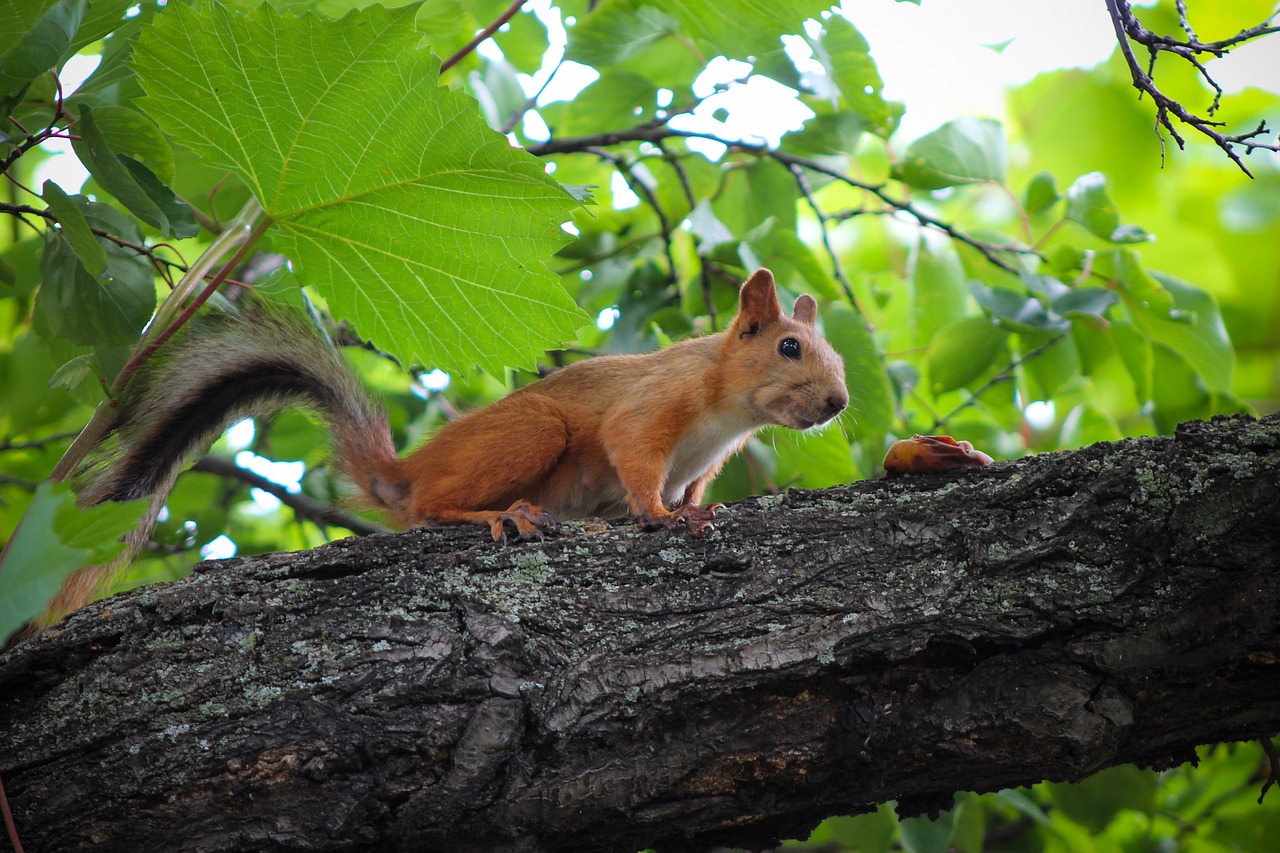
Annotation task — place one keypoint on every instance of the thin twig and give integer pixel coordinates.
(641, 189)
(837, 268)
(1128, 28)
(9, 825)
(1001, 377)
(38, 443)
(481, 36)
(704, 274)
(307, 507)
(657, 131)
(1273, 766)
(141, 248)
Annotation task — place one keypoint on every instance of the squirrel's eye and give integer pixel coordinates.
(790, 348)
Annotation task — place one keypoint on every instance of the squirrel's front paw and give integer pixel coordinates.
(691, 518)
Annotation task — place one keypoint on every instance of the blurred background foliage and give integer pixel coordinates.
(1055, 277)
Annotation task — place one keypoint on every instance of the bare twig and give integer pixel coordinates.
(37, 443)
(10, 827)
(1273, 766)
(149, 252)
(481, 36)
(704, 274)
(836, 267)
(656, 131)
(321, 513)
(641, 189)
(1129, 29)
(1001, 377)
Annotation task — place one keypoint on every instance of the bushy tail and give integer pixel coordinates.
(244, 362)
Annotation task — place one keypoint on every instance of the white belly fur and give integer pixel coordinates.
(702, 448)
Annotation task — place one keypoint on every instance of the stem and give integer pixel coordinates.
(481, 36)
(236, 234)
(9, 825)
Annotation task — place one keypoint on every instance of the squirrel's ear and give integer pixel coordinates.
(806, 310)
(757, 303)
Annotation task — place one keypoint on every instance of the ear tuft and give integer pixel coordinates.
(757, 303)
(806, 310)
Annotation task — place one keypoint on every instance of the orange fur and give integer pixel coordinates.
(638, 433)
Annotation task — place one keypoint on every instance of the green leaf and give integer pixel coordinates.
(497, 87)
(101, 18)
(1084, 302)
(962, 351)
(1089, 204)
(871, 398)
(619, 99)
(1094, 802)
(864, 833)
(392, 213)
(22, 16)
(75, 228)
(964, 151)
(615, 31)
(1056, 365)
(1135, 351)
(743, 29)
(1195, 330)
(113, 82)
(813, 460)
(1041, 194)
(1089, 424)
(95, 311)
(940, 289)
(35, 38)
(182, 222)
(1015, 311)
(1139, 284)
(129, 133)
(754, 193)
(845, 56)
(926, 835)
(1180, 394)
(132, 184)
(73, 372)
(54, 539)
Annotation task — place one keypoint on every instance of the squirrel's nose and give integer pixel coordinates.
(836, 403)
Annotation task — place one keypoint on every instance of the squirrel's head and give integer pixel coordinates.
(793, 376)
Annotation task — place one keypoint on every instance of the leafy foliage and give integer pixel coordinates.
(1028, 285)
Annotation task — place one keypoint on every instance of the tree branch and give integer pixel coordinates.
(610, 689)
(1128, 28)
(655, 132)
(306, 507)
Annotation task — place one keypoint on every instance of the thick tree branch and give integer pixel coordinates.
(610, 689)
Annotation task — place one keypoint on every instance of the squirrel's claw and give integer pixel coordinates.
(530, 522)
(691, 519)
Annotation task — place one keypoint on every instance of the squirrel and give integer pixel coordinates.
(614, 434)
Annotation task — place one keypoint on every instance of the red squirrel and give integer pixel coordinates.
(643, 434)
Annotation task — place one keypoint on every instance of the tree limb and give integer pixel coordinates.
(610, 689)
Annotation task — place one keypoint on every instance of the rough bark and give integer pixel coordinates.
(609, 689)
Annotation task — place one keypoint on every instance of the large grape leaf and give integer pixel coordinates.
(54, 539)
(388, 193)
(617, 30)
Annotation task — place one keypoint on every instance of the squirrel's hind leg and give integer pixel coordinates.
(478, 470)
(530, 522)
